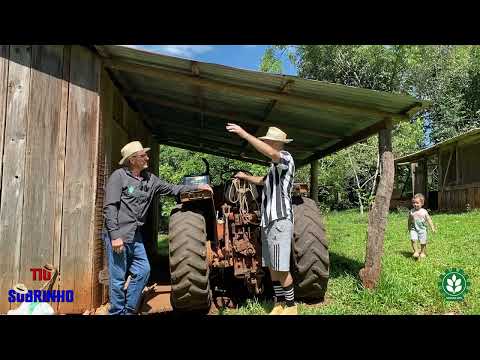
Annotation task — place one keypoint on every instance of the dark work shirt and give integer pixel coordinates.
(127, 199)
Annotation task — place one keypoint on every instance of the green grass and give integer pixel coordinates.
(406, 286)
(162, 243)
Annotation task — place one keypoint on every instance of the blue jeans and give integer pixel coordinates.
(132, 261)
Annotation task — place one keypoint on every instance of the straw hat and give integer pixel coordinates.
(276, 134)
(20, 289)
(130, 149)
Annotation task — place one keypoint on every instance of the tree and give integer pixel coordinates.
(346, 179)
(175, 163)
(447, 75)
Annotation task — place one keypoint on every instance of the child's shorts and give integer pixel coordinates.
(419, 236)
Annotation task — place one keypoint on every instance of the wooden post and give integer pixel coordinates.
(314, 180)
(458, 177)
(413, 173)
(419, 178)
(422, 180)
(447, 169)
(377, 218)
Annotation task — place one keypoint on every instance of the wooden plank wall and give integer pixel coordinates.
(4, 51)
(59, 141)
(13, 174)
(457, 198)
(465, 190)
(81, 155)
(44, 162)
(121, 124)
(106, 114)
(49, 115)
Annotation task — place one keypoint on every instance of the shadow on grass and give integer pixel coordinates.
(407, 254)
(341, 265)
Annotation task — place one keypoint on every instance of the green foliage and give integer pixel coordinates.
(448, 76)
(176, 163)
(270, 63)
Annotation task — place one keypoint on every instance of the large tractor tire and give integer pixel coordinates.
(189, 269)
(310, 259)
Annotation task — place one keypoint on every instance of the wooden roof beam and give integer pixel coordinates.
(347, 141)
(284, 89)
(208, 151)
(122, 85)
(230, 116)
(159, 73)
(208, 134)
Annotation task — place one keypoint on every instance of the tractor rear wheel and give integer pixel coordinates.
(189, 270)
(310, 259)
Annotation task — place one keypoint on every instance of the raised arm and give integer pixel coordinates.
(258, 144)
(257, 180)
(164, 188)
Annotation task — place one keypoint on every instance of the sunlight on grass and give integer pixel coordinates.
(162, 243)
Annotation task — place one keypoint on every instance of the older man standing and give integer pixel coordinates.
(129, 193)
(277, 212)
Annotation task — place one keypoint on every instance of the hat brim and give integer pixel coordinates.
(286, 141)
(126, 157)
(20, 289)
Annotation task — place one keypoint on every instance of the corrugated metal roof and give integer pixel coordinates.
(432, 149)
(321, 117)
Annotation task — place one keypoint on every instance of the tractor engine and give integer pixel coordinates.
(238, 238)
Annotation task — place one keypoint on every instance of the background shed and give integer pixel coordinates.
(448, 173)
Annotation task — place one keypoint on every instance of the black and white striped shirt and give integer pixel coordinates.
(277, 190)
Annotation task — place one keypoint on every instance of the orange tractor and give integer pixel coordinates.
(215, 246)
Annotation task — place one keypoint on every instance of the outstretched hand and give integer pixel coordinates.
(205, 187)
(234, 128)
(241, 175)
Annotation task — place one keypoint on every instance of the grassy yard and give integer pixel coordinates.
(406, 286)
(163, 244)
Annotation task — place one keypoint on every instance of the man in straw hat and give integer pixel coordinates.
(128, 195)
(277, 213)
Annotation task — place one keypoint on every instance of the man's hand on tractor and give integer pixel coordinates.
(234, 128)
(205, 187)
(117, 245)
(241, 175)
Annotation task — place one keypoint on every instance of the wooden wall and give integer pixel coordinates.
(457, 197)
(121, 124)
(62, 125)
(459, 183)
(49, 106)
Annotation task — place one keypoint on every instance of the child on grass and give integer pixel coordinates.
(417, 225)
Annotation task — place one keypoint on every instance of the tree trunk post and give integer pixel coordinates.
(314, 180)
(377, 217)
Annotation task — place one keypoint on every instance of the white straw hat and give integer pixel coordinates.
(130, 149)
(276, 134)
(20, 289)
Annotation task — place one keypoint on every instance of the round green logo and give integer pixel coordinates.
(130, 189)
(454, 284)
